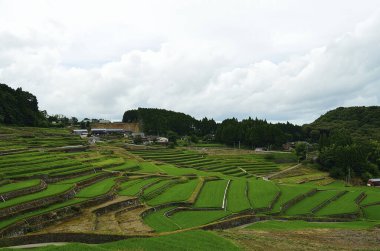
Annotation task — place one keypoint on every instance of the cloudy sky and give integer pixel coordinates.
(275, 59)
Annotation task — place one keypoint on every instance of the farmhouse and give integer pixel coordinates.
(162, 140)
(373, 182)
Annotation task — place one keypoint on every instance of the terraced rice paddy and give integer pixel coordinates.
(229, 165)
(373, 196)
(97, 189)
(372, 212)
(306, 206)
(212, 194)
(178, 193)
(159, 222)
(52, 190)
(261, 193)
(287, 193)
(187, 219)
(18, 185)
(344, 205)
(135, 187)
(151, 191)
(237, 199)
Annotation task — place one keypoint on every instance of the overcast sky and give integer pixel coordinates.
(281, 60)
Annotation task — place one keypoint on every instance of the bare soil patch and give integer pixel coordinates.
(316, 239)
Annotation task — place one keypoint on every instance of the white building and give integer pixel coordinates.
(162, 140)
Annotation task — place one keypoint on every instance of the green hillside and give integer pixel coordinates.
(360, 121)
(19, 107)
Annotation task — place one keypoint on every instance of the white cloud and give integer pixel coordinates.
(256, 58)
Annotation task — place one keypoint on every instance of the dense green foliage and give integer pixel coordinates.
(257, 133)
(19, 107)
(160, 121)
(249, 132)
(360, 122)
(348, 139)
(346, 158)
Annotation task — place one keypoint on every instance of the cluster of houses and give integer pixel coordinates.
(136, 136)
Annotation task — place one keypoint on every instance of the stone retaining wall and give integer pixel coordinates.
(242, 213)
(40, 221)
(69, 149)
(141, 192)
(360, 198)
(160, 190)
(118, 213)
(95, 179)
(116, 206)
(154, 209)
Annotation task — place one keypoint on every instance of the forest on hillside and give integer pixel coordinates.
(361, 122)
(19, 107)
(249, 132)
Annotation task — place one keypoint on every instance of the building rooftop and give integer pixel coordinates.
(375, 180)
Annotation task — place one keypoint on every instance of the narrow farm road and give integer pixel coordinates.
(283, 171)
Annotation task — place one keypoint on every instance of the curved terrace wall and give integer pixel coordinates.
(17, 193)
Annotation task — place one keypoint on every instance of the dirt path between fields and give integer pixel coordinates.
(283, 171)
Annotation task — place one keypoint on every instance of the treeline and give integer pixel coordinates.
(361, 122)
(160, 122)
(346, 158)
(18, 107)
(257, 133)
(249, 132)
(348, 141)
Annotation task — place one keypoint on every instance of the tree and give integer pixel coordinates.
(88, 126)
(74, 120)
(137, 140)
(19, 107)
(301, 150)
(172, 136)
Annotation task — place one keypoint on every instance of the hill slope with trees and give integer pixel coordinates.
(19, 107)
(360, 122)
(248, 132)
(349, 142)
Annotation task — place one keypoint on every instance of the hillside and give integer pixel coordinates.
(360, 121)
(159, 121)
(19, 107)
